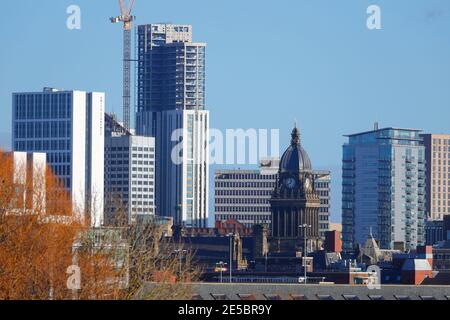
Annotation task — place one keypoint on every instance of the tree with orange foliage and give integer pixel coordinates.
(37, 236)
(41, 241)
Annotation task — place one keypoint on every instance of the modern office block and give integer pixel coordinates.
(322, 183)
(437, 151)
(129, 177)
(95, 156)
(69, 127)
(182, 158)
(383, 188)
(115, 128)
(29, 178)
(244, 195)
(171, 108)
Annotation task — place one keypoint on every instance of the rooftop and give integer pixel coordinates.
(259, 291)
(383, 129)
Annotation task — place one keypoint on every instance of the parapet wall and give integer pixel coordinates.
(213, 291)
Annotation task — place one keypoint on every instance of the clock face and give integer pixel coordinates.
(290, 183)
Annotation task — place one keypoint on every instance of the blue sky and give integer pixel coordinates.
(268, 63)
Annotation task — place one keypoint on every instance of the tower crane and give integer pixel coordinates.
(127, 18)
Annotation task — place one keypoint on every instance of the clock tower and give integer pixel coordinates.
(295, 203)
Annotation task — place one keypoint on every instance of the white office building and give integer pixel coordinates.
(183, 163)
(69, 127)
(29, 170)
(129, 177)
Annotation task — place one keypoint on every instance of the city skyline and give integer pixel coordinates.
(233, 151)
(351, 65)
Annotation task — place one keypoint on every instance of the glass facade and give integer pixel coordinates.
(171, 97)
(171, 69)
(383, 189)
(68, 126)
(43, 123)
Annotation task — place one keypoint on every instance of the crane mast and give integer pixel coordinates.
(127, 18)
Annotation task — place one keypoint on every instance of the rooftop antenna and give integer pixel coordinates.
(376, 126)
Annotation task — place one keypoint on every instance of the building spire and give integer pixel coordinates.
(295, 136)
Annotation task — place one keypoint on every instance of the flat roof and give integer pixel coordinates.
(55, 91)
(383, 129)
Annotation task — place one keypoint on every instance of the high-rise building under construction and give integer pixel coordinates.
(171, 107)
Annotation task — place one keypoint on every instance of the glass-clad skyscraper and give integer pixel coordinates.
(171, 108)
(383, 188)
(171, 68)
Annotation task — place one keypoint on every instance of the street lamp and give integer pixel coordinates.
(221, 265)
(304, 226)
(231, 257)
